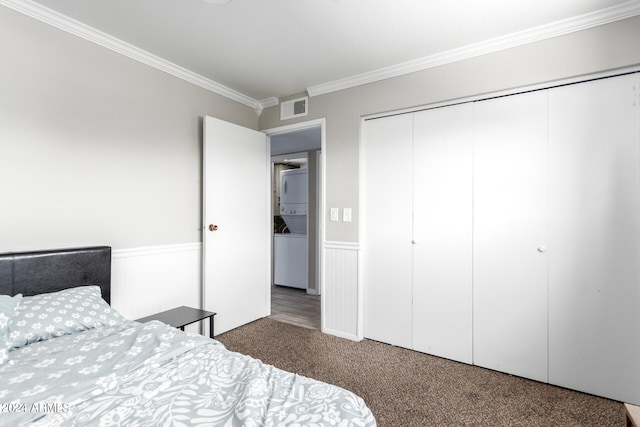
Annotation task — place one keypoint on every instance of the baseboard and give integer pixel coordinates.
(341, 334)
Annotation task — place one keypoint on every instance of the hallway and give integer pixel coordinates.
(295, 306)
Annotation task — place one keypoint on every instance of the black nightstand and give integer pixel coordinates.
(182, 316)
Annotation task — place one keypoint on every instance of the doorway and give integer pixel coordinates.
(296, 295)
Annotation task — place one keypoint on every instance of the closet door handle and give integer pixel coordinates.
(542, 248)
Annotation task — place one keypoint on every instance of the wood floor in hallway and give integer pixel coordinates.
(295, 306)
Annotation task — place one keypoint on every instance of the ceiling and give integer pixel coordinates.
(257, 51)
(295, 141)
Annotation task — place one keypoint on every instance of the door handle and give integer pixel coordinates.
(213, 227)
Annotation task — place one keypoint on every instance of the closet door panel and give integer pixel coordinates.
(510, 232)
(594, 277)
(387, 164)
(442, 258)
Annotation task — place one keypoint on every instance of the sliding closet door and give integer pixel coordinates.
(387, 210)
(594, 277)
(442, 260)
(510, 233)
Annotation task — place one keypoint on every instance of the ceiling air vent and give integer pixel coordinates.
(294, 108)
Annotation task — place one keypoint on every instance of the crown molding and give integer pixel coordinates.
(582, 22)
(604, 16)
(267, 102)
(70, 25)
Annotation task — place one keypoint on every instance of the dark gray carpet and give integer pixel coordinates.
(408, 388)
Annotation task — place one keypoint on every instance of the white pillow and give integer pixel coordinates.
(45, 316)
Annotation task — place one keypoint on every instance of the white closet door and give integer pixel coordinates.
(510, 233)
(442, 259)
(594, 314)
(387, 154)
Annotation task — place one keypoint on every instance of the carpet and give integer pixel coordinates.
(407, 388)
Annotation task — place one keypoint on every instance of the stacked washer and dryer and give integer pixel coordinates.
(290, 249)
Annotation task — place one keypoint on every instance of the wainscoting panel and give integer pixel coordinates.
(148, 280)
(341, 289)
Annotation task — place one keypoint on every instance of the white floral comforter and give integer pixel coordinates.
(153, 375)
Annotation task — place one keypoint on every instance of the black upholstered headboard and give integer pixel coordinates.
(31, 273)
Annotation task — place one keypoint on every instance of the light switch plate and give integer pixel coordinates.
(334, 214)
(346, 214)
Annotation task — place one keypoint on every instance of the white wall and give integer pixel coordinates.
(597, 49)
(149, 280)
(96, 148)
(601, 48)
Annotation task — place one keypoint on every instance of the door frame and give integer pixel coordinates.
(320, 234)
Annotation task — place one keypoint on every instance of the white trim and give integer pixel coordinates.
(321, 236)
(582, 22)
(77, 28)
(361, 231)
(268, 226)
(155, 250)
(269, 102)
(589, 20)
(320, 205)
(506, 92)
(341, 334)
(296, 126)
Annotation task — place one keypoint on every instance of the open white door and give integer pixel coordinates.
(236, 240)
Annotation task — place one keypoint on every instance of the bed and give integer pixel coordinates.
(68, 358)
